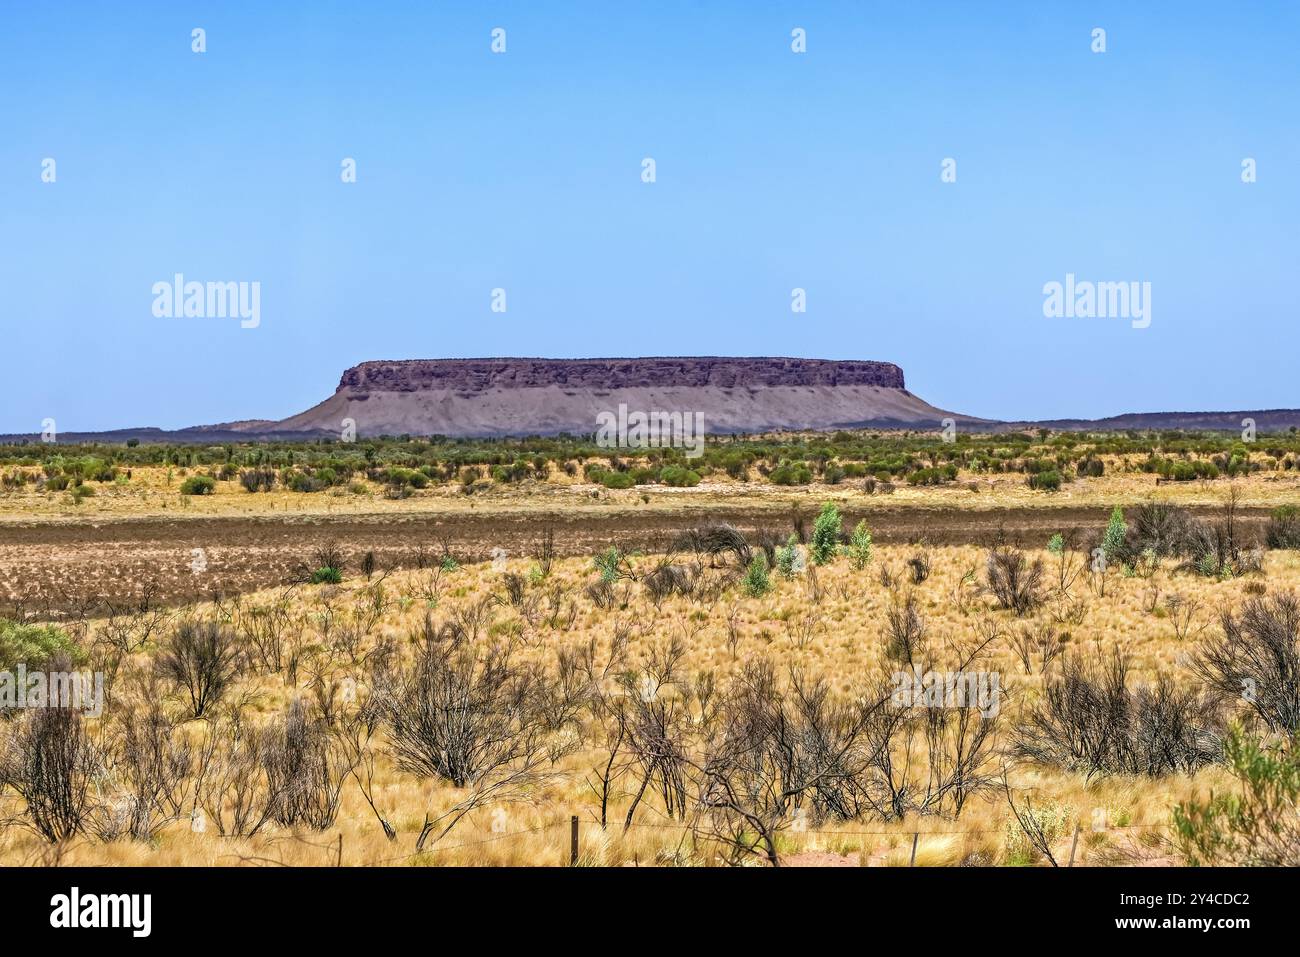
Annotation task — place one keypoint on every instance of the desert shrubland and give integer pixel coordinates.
(726, 699)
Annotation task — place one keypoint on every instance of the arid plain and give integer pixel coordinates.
(381, 671)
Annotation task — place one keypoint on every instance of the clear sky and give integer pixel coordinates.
(523, 171)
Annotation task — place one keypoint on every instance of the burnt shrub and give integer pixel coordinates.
(1090, 467)
(305, 767)
(202, 659)
(51, 762)
(257, 480)
(668, 579)
(1016, 583)
(1283, 527)
(714, 542)
(1090, 721)
(465, 713)
(1163, 529)
(1255, 657)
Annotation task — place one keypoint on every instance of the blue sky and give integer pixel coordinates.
(522, 171)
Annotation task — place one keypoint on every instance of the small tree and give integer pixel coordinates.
(1112, 543)
(860, 545)
(826, 534)
(611, 565)
(787, 557)
(1068, 566)
(756, 581)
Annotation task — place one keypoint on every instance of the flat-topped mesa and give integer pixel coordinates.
(527, 396)
(475, 375)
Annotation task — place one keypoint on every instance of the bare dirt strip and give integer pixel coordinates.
(60, 566)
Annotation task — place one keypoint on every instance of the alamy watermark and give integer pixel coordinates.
(947, 689)
(75, 909)
(208, 300)
(1083, 299)
(75, 690)
(656, 428)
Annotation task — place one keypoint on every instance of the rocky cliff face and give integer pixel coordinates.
(503, 397)
(476, 375)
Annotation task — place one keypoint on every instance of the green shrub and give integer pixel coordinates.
(609, 564)
(756, 581)
(791, 474)
(860, 546)
(406, 478)
(35, 646)
(736, 465)
(1185, 471)
(1112, 543)
(301, 482)
(1259, 825)
(935, 476)
(1047, 481)
(198, 485)
(515, 472)
(787, 556)
(616, 480)
(679, 477)
(326, 576)
(826, 534)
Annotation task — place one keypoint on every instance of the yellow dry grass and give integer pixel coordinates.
(1122, 820)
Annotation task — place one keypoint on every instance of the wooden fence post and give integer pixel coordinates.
(916, 836)
(573, 841)
(1074, 844)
